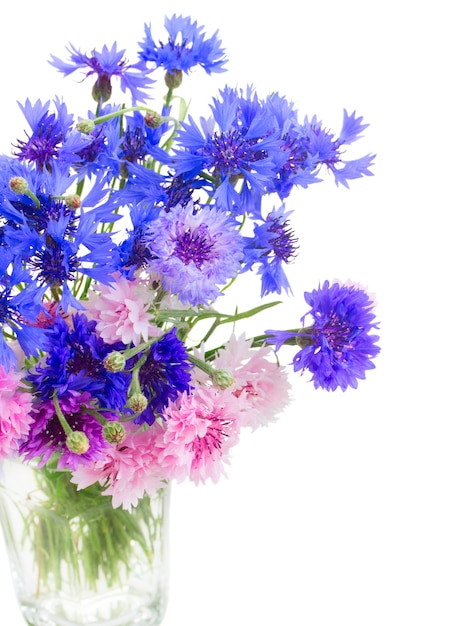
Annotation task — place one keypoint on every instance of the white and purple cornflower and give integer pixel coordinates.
(337, 348)
(148, 195)
(105, 65)
(186, 47)
(195, 250)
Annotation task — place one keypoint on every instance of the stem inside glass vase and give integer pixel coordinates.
(77, 560)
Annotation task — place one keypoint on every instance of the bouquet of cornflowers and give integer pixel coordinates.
(121, 231)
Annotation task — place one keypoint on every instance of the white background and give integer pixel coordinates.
(343, 512)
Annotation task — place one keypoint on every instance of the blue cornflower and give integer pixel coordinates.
(20, 305)
(324, 149)
(186, 48)
(57, 240)
(143, 187)
(194, 251)
(53, 137)
(139, 143)
(62, 249)
(273, 244)
(105, 64)
(181, 191)
(74, 362)
(164, 375)
(101, 149)
(292, 165)
(46, 201)
(338, 348)
(307, 147)
(239, 143)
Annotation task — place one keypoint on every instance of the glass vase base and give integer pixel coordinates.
(124, 610)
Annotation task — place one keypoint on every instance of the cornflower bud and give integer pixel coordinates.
(113, 432)
(173, 79)
(77, 442)
(73, 201)
(153, 120)
(303, 340)
(114, 361)
(18, 185)
(137, 402)
(85, 126)
(102, 89)
(222, 378)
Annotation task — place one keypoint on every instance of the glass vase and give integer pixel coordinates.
(74, 559)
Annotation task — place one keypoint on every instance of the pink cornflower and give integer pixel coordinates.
(15, 416)
(260, 383)
(121, 311)
(129, 469)
(201, 427)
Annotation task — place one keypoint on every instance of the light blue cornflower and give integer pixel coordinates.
(194, 251)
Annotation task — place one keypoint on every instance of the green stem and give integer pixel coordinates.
(106, 118)
(135, 386)
(33, 197)
(65, 425)
(203, 365)
(211, 179)
(128, 354)
(80, 187)
(168, 97)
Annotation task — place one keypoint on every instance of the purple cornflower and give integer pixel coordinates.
(105, 64)
(186, 47)
(194, 251)
(164, 375)
(47, 435)
(272, 245)
(338, 348)
(149, 195)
